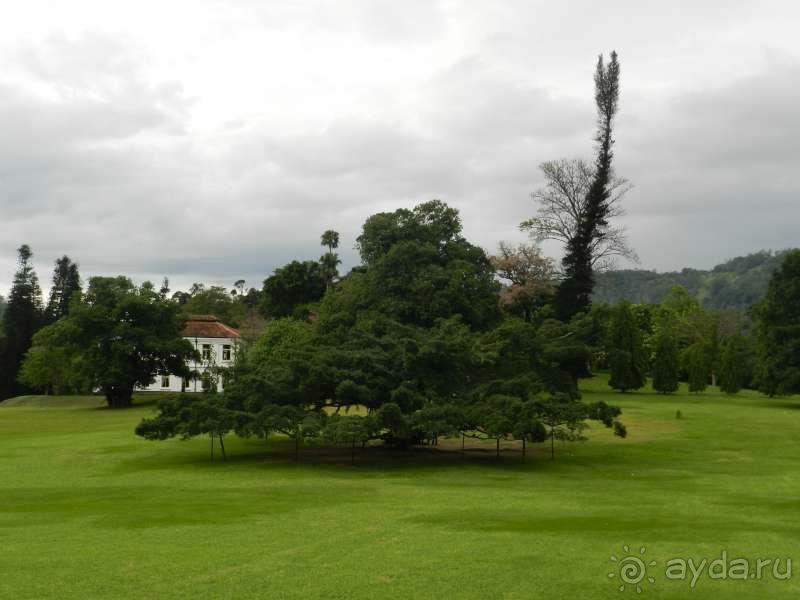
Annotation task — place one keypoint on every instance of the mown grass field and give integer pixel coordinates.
(88, 510)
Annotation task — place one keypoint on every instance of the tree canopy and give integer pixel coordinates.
(118, 337)
(778, 317)
(22, 317)
(414, 338)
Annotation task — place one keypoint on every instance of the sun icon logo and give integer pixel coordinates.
(632, 569)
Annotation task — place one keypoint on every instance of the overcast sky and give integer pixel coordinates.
(212, 141)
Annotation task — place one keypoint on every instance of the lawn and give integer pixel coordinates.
(88, 510)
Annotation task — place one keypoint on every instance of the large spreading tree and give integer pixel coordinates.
(416, 339)
(117, 338)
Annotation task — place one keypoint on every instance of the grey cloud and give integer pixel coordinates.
(106, 167)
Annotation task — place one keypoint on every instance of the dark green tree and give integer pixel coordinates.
(119, 337)
(575, 292)
(292, 288)
(695, 359)
(665, 362)
(330, 239)
(214, 300)
(21, 319)
(414, 338)
(330, 260)
(190, 415)
(419, 268)
(66, 285)
(734, 368)
(626, 354)
(778, 326)
(351, 430)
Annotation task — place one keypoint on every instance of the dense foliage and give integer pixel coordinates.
(779, 330)
(116, 338)
(21, 319)
(626, 355)
(665, 362)
(574, 295)
(735, 284)
(409, 347)
(66, 285)
(292, 288)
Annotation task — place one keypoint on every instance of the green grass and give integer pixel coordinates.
(88, 510)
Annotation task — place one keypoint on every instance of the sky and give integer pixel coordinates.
(215, 141)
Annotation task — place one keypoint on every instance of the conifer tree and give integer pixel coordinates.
(21, 319)
(733, 369)
(626, 353)
(66, 285)
(778, 354)
(665, 362)
(696, 362)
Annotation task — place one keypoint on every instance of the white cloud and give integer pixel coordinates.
(213, 141)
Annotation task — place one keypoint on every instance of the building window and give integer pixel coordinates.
(185, 384)
(206, 351)
(165, 381)
(226, 352)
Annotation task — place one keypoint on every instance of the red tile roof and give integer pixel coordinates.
(208, 326)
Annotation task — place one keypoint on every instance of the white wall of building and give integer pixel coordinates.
(222, 352)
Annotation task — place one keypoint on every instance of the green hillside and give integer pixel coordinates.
(737, 283)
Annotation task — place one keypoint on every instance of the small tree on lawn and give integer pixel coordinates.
(778, 327)
(626, 354)
(665, 362)
(733, 371)
(696, 361)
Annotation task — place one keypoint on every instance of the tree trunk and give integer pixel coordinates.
(497, 451)
(118, 397)
(523, 448)
(353, 452)
(212, 447)
(552, 445)
(296, 447)
(222, 447)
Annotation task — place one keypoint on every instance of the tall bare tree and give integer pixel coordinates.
(562, 206)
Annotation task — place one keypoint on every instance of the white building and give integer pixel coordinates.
(215, 342)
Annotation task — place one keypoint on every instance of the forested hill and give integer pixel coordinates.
(737, 283)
